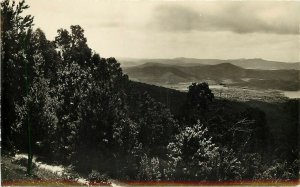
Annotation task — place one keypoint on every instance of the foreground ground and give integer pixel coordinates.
(14, 172)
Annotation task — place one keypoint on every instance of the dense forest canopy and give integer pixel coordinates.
(85, 112)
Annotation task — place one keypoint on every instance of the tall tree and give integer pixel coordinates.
(15, 31)
(40, 100)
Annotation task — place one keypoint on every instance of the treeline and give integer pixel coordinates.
(83, 111)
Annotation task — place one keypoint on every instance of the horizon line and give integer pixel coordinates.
(195, 58)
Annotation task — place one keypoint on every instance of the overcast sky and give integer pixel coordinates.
(169, 29)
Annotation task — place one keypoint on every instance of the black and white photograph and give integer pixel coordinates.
(150, 93)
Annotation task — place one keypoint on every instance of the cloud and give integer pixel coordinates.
(238, 17)
(176, 18)
(111, 24)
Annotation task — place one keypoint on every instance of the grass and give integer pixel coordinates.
(14, 172)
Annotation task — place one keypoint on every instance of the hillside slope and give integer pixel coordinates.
(160, 74)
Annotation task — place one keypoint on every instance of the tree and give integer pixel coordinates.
(197, 102)
(199, 95)
(149, 169)
(73, 46)
(156, 123)
(15, 31)
(44, 49)
(193, 155)
(72, 85)
(36, 113)
(42, 107)
(230, 166)
(15, 34)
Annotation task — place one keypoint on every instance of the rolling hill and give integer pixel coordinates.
(227, 73)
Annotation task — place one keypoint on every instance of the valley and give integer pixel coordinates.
(241, 93)
(228, 81)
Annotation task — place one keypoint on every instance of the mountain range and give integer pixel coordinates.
(256, 63)
(161, 73)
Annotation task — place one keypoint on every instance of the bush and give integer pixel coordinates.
(193, 155)
(279, 170)
(96, 177)
(149, 169)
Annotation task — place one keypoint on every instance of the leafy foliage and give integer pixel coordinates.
(15, 32)
(193, 154)
(149, 169)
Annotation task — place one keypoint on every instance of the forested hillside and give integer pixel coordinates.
(64, 102)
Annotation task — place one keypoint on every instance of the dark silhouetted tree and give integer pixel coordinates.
(15, 31)
(199, 95)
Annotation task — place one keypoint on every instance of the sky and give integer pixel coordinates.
(170, 29)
